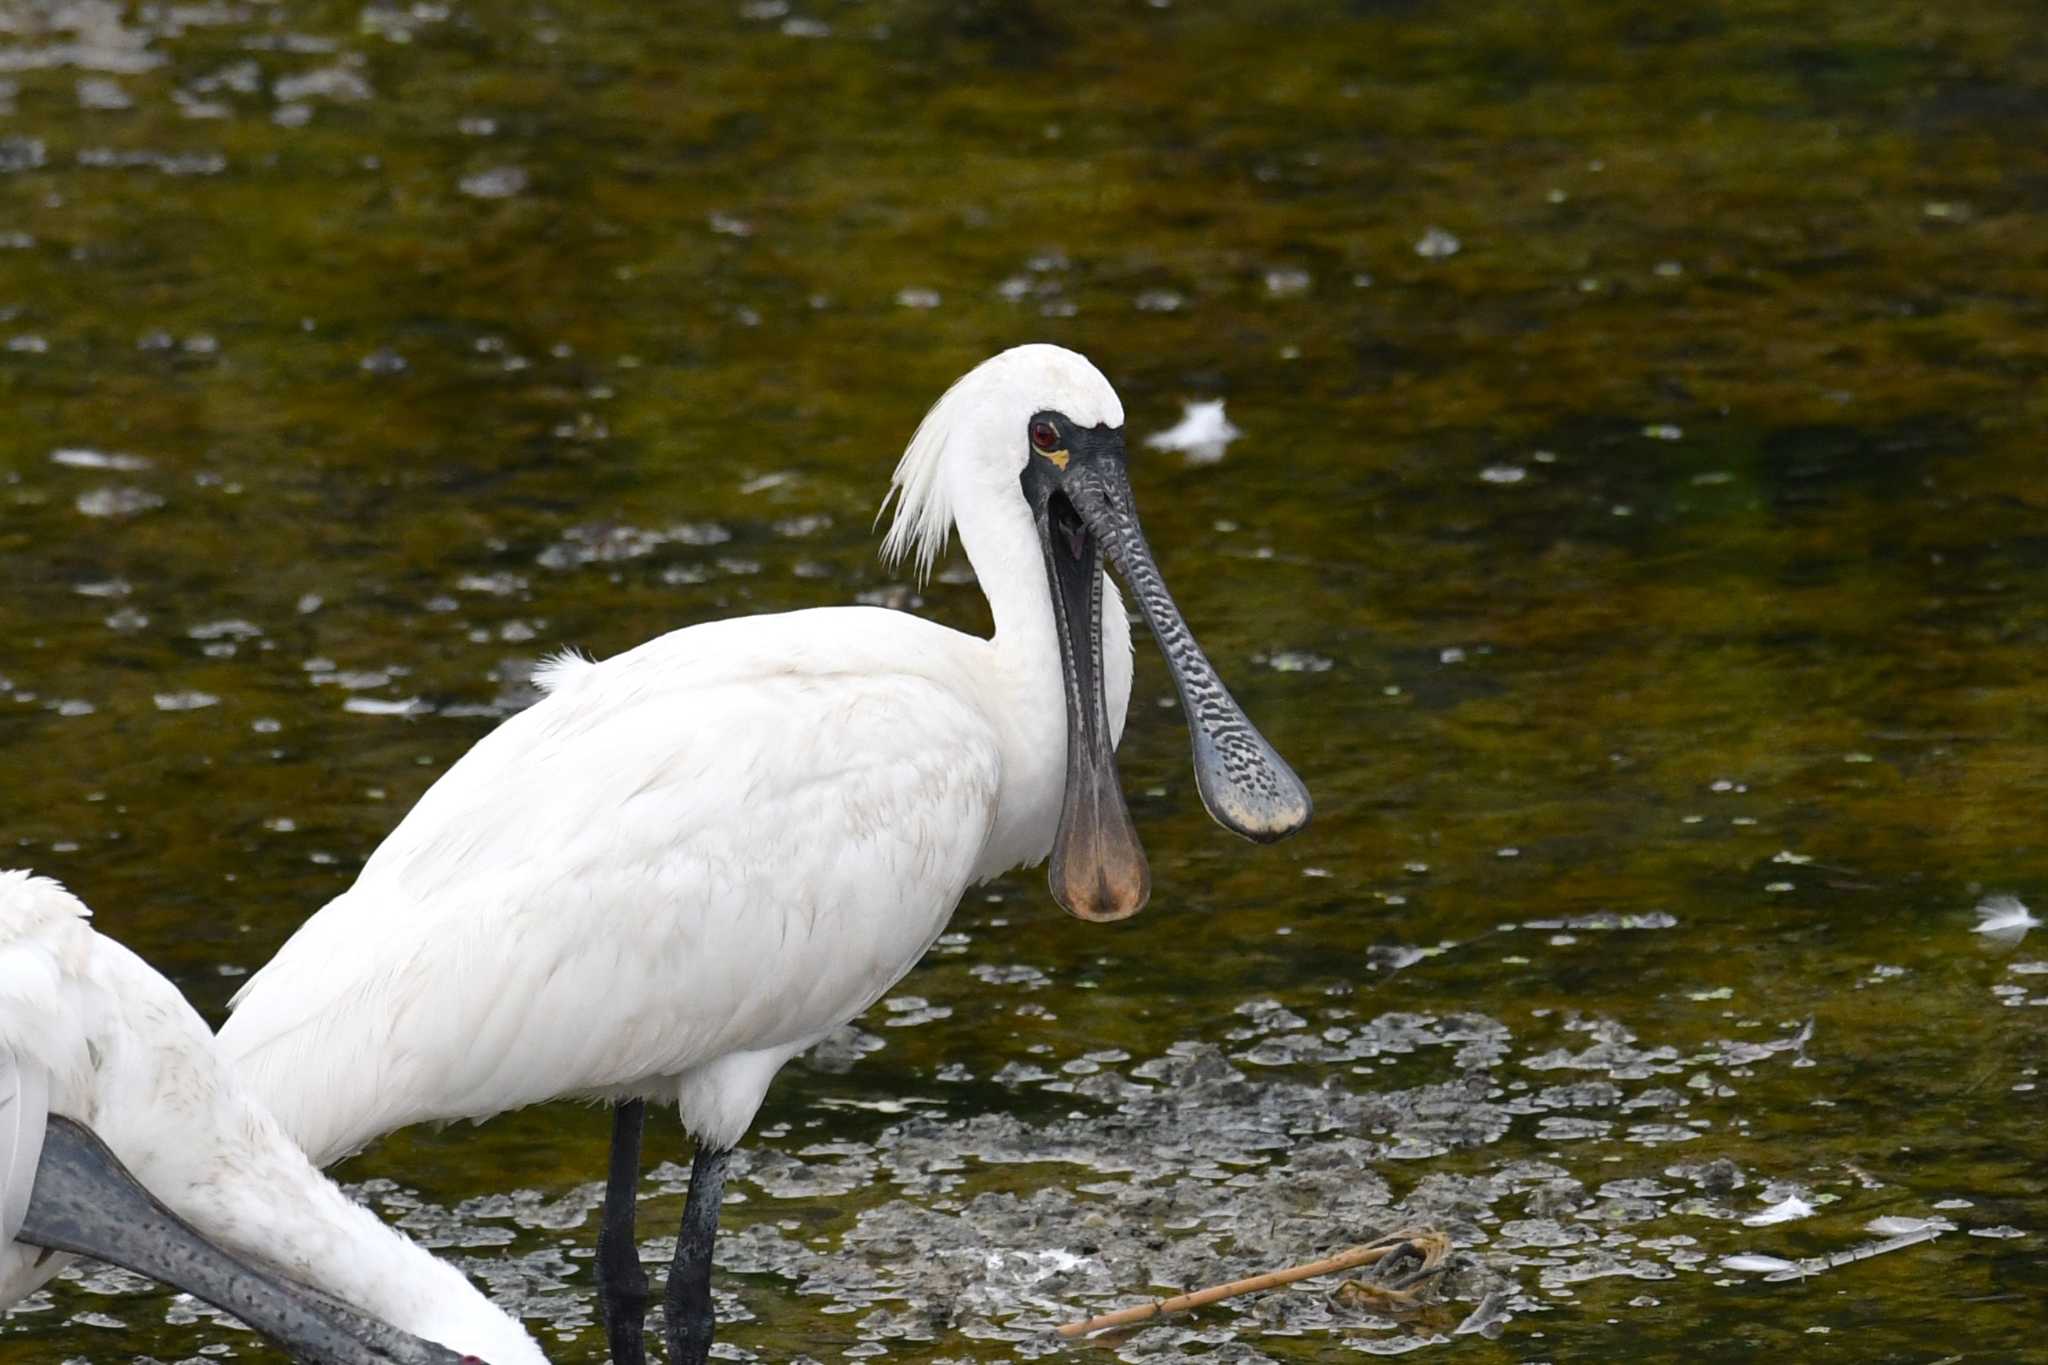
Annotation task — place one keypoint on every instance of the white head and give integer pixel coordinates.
(1034, 438)
(975, 435)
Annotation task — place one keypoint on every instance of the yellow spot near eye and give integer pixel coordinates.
(1058, 457)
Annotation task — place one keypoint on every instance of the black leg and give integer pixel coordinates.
(621, 1280)
(687, 1300)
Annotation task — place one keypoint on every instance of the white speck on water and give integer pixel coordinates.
(1779, 886)
(1897, 1225)
(1503, 473)
(476, 125)
(95, 459)
(20, 154)
(1435, 244)
(1669, 270)
(498, 182)
(292, 115)
(800, 27)
(1450, 655)
(1784, 1211)
(384, 360)
(2004, 920)
(1160, 301)
(1664, 431)
(921, 298)
(1299, 661)
(336, 83)
(185, 701)
(1786, 855)
(97, 92)
(1507, 853)
(729, 225)
(117, 502)
(1287, 282)
(1711, 478)
(764, 9)
(1945, 210)
(376, 706)
(27, 344)
(1201, 435)
(2003, 1230)
(1757, 1264)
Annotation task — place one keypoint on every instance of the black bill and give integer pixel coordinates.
(1081, 495)
(84, 1201)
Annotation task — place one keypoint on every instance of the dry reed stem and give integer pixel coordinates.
(1428, 1242)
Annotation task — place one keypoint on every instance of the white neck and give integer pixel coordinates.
(279, 1210)
(1028, 687)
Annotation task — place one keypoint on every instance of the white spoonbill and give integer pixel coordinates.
(93, 1042)
(690, 862)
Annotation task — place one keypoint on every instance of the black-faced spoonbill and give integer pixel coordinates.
(93, 1042)
(690, 862)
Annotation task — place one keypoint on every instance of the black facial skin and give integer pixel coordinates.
(1080, 495)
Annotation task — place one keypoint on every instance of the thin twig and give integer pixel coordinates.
(1424, 1241)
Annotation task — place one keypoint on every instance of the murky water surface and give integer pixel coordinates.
(1635, 534)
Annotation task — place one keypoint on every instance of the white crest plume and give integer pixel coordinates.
(924, 511)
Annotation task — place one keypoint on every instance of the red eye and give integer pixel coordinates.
(1044, 437)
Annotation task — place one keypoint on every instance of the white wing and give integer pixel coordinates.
(670, 859)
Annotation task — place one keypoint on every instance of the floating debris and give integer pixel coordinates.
(1784, 1211)
(117, 502)
(1288, 282)
(1437, 244)
(498, 182)
(2004, 920)
(1202, 434)
(1428, 1244)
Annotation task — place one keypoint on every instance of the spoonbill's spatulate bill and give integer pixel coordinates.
(692, 861)
(99, 1055)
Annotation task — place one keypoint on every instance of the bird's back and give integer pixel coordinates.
(726, 841)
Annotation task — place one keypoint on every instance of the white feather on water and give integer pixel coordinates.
(1202, 434)
(1784, 1211)
(2004, 920)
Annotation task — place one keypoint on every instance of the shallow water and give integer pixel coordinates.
(1634, 537)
